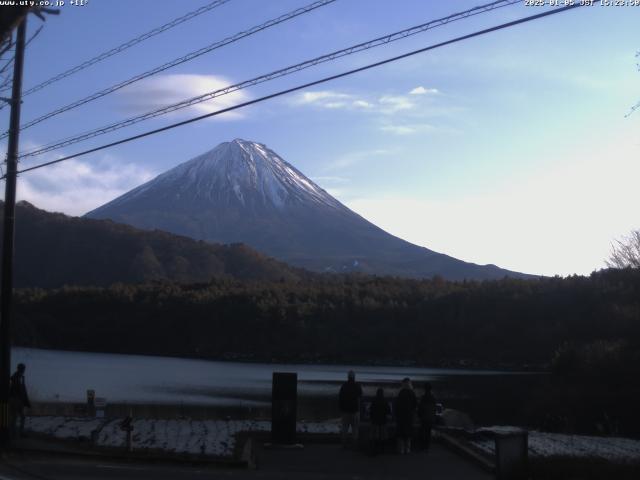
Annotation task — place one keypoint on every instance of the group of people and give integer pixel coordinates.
(406, 406)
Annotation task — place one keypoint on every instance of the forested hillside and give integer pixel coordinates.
(340, 318)
(52, 250)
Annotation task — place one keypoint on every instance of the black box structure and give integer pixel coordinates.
(284, 402)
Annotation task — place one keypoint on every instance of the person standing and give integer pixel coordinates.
(349, 398)
(427, 415)
(18, 399)
(405, 408)
(379, 412)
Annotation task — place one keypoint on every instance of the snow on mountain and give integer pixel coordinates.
(242, 191)
(242, 169)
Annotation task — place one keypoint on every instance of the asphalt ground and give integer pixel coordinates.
(313, 461)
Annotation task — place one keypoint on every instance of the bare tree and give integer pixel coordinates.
(625, 252)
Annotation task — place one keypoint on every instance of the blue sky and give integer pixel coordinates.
(512, 148)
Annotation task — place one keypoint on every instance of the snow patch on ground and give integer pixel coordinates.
(61, 427)
(546, 445)
(217, 438)
(198, 437)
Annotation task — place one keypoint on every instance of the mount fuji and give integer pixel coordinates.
(243, 192)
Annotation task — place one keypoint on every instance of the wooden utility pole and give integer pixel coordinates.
(8, 238)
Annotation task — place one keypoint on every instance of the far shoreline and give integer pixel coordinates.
(447, 365)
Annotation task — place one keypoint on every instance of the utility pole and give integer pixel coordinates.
(6, 291)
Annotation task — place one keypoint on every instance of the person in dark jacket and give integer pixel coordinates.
(405, 408)
(349, 398)
(427, 415)
(378, 412)
(18, 399)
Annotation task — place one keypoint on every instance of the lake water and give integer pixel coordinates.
(59, 376)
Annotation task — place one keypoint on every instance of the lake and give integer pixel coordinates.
(60, 376)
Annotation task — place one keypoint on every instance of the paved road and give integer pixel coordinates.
(331, 461)
(314, 462)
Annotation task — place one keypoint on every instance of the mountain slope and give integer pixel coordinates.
(53, 249)
(244, 192)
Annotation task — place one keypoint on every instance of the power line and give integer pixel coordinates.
(35, 34)
(270, 76)
(8, 80)
(125, 46)
(6, 65)
(186, 58)
(31, 38)
(6, 47)
(306, 85)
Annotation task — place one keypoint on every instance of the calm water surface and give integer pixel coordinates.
(65, 377)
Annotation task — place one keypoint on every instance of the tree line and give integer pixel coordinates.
(330, 318)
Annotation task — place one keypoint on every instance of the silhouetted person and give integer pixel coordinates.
(349, 397)
(18, 399)
(427, 415)
(379, 411)
(405, 408)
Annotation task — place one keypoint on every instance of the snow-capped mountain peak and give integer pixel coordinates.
(242, 191)
(238, 171)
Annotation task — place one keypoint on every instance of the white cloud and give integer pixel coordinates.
(423, 91)
(320, 97)
(362, 104)
(386, 104)
(335, 105)
(395, 103)
(163, 90)
(407, 129)
(74, 187)
(402, 115)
